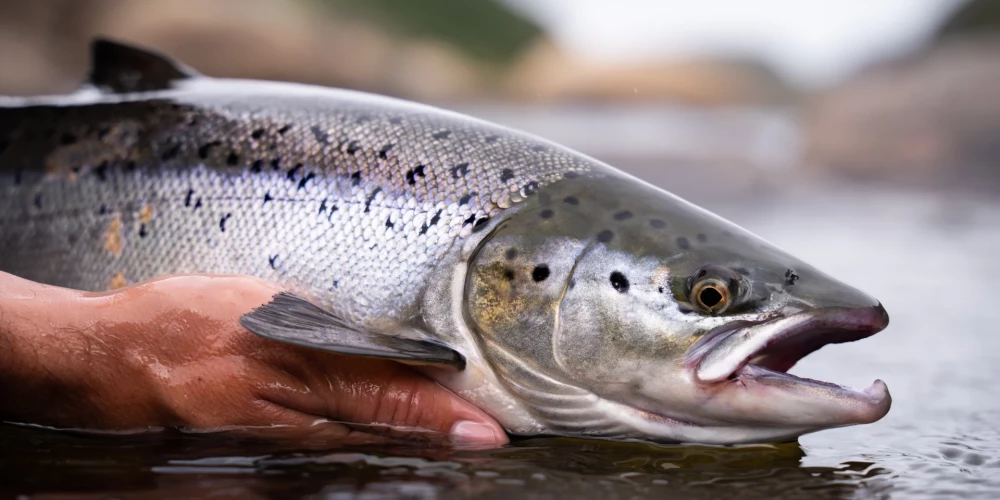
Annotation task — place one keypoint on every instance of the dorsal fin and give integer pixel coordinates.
(119, 68)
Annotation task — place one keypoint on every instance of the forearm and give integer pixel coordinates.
(55, 369)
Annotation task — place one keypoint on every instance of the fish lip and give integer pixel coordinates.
(719, 355)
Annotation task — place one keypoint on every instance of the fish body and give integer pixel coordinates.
(563, 296)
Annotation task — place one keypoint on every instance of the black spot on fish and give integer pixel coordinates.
(273, 261)
(412, 174)
(257, 134)
(187, 199)
(506, 175)
(103, 210)
(683, 243)
(276, 164)
(336, 283)
(142, 231)
(206, 148)
(305, 180)
(571, 175)
(619, 282)
(437, 217)
(491, 138)
(384, 152)
(267, 198)
(75, 169)
(371, 198)
(623, 215)
(222, 222)
(546, 214)
(508, 274)
(373, 246)
(356, 178)
(322, 206)
(545, 199)
(510, 254)
(660, 289)
(129, 166)
(605, 236)
(320, 135)
(469, 220)
(791, 277)
(256, 166)
(530, 188)
(291, 173)
(389, 223)
(101, 171)
(540, 272)
(285, 129)
(702, 238)
(460, 170)
(480, 224)
(197, 203)
(67, 139)
(38, 200)
(352, 147)
(232, 159)
(442, 134)
(657, 223)
(465, 199)
(171, 152)
(571, 200)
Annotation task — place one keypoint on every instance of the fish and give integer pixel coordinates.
(557, 293)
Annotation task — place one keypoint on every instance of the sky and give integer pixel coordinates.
(812, 43)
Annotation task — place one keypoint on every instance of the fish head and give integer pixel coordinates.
(678, 324)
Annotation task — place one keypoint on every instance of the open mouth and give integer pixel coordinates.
(764, 352)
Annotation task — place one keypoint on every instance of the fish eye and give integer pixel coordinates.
(711, 295)
(714, 289)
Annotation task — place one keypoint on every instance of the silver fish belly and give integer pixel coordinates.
(561, 295)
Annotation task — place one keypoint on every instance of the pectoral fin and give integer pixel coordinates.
(292, 319)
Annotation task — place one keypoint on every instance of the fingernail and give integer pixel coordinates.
(467, 432)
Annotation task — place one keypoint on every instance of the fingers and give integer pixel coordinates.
(387, 398)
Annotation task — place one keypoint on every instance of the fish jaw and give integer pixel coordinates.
(741, 371)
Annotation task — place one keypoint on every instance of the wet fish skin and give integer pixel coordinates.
(558, 291)
(260, 179)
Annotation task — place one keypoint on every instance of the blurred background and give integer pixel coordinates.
(737, 93)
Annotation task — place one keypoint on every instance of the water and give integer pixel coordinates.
(930, 256)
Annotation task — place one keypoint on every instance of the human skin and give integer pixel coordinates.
(171, 353)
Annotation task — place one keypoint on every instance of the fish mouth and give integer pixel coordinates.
(758, 355)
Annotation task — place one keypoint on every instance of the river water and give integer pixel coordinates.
(931, 256)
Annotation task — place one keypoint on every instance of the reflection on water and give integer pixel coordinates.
(174, 465)
(932, 258)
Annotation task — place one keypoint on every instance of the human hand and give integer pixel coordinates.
(170, 352)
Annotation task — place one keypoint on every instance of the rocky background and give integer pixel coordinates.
(930, 117)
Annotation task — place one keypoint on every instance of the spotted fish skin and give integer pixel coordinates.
(554, 292)
(347, 197)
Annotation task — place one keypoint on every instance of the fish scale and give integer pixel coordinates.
(237, 186)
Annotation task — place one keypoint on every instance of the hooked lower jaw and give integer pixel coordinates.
(755, 358)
